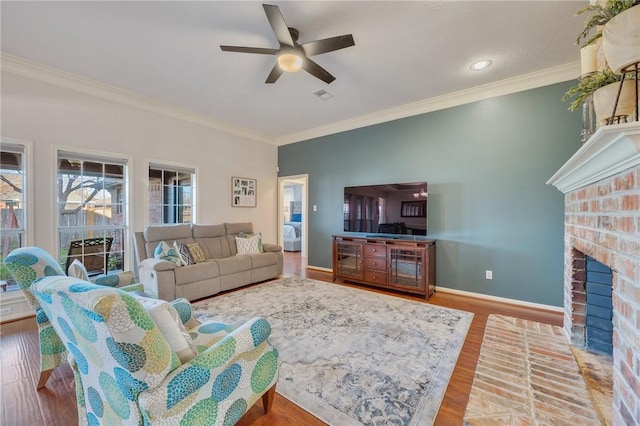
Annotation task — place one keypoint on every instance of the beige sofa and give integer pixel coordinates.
(222, 270)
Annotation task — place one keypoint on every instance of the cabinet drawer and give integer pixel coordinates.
(375, 250)
(375, 277)
(375, 263)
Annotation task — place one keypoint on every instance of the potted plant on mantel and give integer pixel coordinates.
(618, 23)
(600, 15)
(604, 86)
(621, 39)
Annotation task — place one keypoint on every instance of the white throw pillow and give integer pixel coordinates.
(249, 245)
(168, 321)
(259, 234)
(77, 270)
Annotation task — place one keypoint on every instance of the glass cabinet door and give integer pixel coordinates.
(349, 259)
(406, 268)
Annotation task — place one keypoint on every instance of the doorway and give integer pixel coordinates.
(292, 215)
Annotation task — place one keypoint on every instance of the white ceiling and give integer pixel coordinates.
(405, 53)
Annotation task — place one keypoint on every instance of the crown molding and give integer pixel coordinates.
(24, 68)
(520, 83)
(54, 76)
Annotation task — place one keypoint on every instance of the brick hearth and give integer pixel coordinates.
(528, 375)
(601, 183)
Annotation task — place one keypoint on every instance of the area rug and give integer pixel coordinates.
(351, 356)
(527, 375)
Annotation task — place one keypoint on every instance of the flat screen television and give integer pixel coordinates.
(394, 208)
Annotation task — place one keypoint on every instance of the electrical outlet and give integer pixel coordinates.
(315, 208)
(488, 275)
(5, 311)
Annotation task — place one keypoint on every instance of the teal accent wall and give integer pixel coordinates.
(486, 164)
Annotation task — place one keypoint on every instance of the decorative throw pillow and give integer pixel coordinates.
(184, 253)
(165, 252)
(196, 252)
(168, 321)
(248, 245)
(259, 234)
(77, 270)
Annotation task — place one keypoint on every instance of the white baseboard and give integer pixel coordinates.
(13, 306)
(500, 299)
(478, 295)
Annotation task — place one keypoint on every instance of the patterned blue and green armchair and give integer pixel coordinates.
(26, 265)
(128, 373)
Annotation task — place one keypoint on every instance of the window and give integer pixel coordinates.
(13, 205)
(171, 194)
(92, 210)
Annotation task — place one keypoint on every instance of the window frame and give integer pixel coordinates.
(170, 166)
(104, 157)
(25, 147)
(28, 185)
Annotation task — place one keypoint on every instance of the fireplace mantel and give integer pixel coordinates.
(610, 150)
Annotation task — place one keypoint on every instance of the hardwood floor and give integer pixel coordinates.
(55, 404)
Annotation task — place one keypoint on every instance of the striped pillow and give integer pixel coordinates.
(184, 253)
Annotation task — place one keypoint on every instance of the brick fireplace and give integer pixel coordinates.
(601, 183)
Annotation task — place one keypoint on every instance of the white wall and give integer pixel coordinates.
(51, 116)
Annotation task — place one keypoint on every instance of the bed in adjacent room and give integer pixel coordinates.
(292, 236)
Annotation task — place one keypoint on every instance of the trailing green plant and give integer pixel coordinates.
(589, 84)
(600, 15)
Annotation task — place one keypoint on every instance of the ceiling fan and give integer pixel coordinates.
(291, 55)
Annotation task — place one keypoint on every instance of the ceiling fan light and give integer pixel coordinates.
(290, 62)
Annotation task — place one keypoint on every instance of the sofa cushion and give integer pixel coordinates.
(198, 272)
(250, 245)
(236, 228)
(167, 232)
(155, 233)
(234, 264)
(208, 231)
(263, 259)
(218, 247)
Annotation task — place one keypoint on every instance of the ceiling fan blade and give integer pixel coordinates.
(327, 45)
(242, 49)
(275, 74)
(317, 71)
(278, 25)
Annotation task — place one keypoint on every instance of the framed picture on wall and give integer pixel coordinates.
(243, 192)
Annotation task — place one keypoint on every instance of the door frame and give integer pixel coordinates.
(304, 181)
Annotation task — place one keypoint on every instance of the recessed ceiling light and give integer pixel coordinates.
(323, 94)
(480, 65)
